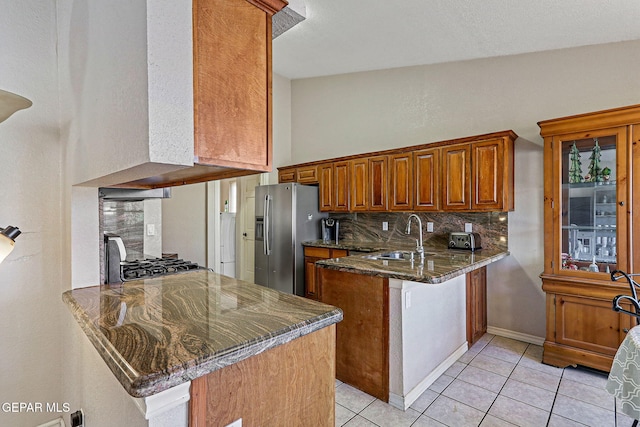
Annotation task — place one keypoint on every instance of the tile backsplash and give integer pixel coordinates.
(125, 219)
(492, 227)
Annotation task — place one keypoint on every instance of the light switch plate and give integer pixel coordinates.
(385, 226)
(151, 229)
(468, 227)
(429, 227)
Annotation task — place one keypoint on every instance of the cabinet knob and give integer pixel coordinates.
(625, 330)
(244, 234)
(621, 203)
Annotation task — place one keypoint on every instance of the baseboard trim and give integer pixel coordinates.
(531, 339)
(406, 401)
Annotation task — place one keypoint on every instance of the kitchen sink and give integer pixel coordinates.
(397, 255)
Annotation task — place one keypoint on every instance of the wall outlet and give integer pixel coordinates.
(429, 227)
(407, 300)
(468, 227)
(151, 229)
(77, 418)
(236, 423)
(385, 226)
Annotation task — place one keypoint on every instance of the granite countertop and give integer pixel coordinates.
(157, 333)
(350, 245)
(440, 263)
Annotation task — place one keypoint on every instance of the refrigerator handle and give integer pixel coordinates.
(267, 225)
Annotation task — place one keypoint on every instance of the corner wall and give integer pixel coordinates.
(370, 111)
(33, 275)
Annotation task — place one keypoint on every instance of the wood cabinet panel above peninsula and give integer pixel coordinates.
(472, 174)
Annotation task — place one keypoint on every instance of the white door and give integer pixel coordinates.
(246, 226)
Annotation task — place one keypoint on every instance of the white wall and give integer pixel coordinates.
(184, 223)
(110, 88)
(127, 85)
(281, 125)
(31, 278)
(369, 111)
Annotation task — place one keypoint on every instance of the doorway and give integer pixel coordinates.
(246, 226)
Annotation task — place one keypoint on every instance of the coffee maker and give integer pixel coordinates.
(330, 229)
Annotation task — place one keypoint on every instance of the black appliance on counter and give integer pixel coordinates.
(118, 269)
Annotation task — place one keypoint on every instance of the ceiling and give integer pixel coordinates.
(344, 36)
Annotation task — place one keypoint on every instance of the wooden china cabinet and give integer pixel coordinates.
(589, 210)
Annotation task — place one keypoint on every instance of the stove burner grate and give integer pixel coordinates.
(146, 268)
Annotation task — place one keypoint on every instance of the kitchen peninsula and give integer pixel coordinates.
(228, 337)
(406, 320)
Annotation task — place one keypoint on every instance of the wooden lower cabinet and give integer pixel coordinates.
(362, 338)
(292, 384)
(582, 328)
(311, 255)
(476, 304)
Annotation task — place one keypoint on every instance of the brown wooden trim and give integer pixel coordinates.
(198, 411)
(269, 6)
(563, 356)
(477, 138)
(596, 120)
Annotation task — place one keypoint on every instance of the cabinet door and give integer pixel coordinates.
(310, 283)
(341, 186)
(359, 181)
(287, 175)
(590, 210)
(476, 304)
(307, 175)
(232, 116)
(401, 186)
(378, 183)
(426, 165)
(487, 160)
(325, 173)
(589, 324)
(456, 177)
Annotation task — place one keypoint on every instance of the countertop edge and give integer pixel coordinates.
(140, 386)
(425, 278)
(152, 384)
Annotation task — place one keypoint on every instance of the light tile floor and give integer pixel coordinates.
(498, 382)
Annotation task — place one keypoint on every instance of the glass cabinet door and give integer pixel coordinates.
(590, 221)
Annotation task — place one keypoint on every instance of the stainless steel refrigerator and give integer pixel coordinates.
(286, 216)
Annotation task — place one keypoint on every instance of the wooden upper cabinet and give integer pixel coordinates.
(401, 182)
(341, 183)
(488, 164)
(232, 83)
(359, 182)
(307, 175)
(334, 186)
(378, 183)
(287, 175)
(426, 165)
(325, 175)
(232, 101)
(471, 174)
(456, 177)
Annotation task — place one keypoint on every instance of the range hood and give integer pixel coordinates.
(133, 195)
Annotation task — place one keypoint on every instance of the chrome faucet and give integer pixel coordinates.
(419, 247)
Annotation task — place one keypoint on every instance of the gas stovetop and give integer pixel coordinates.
(146, 268)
